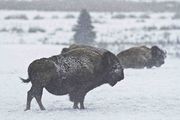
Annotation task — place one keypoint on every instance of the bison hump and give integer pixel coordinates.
(80, 68)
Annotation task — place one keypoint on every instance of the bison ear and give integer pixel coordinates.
(109, 58)
(64, 50)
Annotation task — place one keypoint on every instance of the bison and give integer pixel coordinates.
(140, 57)
(74, 72)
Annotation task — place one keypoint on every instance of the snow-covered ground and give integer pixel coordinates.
(145, 94)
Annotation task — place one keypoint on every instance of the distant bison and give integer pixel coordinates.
(140, 57)
(74, 72)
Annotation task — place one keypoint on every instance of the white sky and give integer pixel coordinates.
(107, 0)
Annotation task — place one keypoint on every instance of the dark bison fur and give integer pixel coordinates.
(100, 51)
(140, 57)
(74, 72)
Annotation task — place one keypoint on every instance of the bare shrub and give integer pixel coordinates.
(38, 17)
(132, 16)
(119, 16)
(36, 29)
(17, 30)
(21, 17)
(150, 28)
(4, 30)
(145, 16)
(69, 16)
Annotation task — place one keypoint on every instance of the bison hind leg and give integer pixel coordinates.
(29, 99)
(37, 93)
(38, 97)
(30, 96)
(82, 104)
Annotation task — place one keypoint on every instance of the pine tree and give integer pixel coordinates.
(84, 33)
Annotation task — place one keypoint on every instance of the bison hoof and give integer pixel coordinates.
(27, 109)
(43, 109)
(82, 108)
(75, 107)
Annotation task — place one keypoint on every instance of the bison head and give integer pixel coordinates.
(158, 56)
(113, 69)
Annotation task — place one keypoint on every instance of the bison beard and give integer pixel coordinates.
(75, 72)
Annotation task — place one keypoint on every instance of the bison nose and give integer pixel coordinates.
(122, 76)
(162, 62)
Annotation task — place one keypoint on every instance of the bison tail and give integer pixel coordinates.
(25, 80)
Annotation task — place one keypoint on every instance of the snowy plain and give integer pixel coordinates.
(145, 94)
(115, 31)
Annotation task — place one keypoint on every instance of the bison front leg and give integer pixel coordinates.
(76, 103)
(79, 98)
(82, 103)
(72, 97)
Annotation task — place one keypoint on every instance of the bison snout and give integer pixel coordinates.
(116, 78)
(113, 83)
(122, 75)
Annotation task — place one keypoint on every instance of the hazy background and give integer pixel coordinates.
(93, 5)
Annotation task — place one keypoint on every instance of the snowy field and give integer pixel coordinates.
(115, 31)
(56, 27)
(146, 94)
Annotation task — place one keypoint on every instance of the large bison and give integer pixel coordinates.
(74, 72)
(140, 57)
